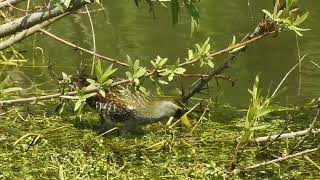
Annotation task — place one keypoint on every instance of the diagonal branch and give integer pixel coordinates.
(9, 3)
(36, 18)
(28, 32)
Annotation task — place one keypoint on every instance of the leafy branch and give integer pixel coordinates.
(287, 18)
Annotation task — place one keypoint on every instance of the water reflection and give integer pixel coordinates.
(129, 30)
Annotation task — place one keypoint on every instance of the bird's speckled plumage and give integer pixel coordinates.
(133, 108)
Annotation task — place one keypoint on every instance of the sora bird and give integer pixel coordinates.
(120, 105)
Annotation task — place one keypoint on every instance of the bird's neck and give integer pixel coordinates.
(143, 120)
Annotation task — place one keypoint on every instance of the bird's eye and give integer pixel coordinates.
(179, 113)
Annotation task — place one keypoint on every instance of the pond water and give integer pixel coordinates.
(125, 29)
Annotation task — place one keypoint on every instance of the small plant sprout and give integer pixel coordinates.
(172, 70)
(201, 53)
(66, 79)
(258, 108)
(158, 63)
(135, 71)
(103, 78)
(80, 97)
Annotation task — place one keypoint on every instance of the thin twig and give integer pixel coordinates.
(108, 131)
(312, 162)
(57, 95)
(300, 69)
(28, 5)
(236, 47)
(93, 40)
(82, 49)
(277, 136)
(282, 158)
(298, 145)
(317, 65)
(287, 74)
(201, 117)
(206, 75)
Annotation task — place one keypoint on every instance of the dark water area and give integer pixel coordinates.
(125, 30)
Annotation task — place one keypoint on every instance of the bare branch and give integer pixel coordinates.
(47, 97)
(83, 49)
(9, 2)
(312, 162)
(36, 18)
(287, 135)
(282, 158)
(28, 32)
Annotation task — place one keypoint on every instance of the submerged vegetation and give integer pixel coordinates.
(51, 133)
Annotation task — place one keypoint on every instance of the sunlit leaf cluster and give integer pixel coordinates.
(201, 53)
(170, 71)
(288, 17)
(135, 71)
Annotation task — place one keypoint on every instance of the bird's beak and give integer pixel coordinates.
(185, 121)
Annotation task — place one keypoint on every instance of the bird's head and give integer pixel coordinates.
(167, 109)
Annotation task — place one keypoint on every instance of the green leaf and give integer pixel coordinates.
(108, 73)
(275, 9)
(66, 3)
(141, 72)
(102, 92)
(129, 61)
(136, 66)
(210, 64)
(267, 13)
(233, 42)
(78, 104)
(110, 81)
(255, 89)
(86, 96)
(129, 75)
(91, 81)
(65, 76)
(179, 70)
(300, 19)
(70, 97)
(271, 108)
(136, 80)
(92, 86)
(163, 82)
(256, 128)
(190, 54)
(279, 14)
(162, 62)
(170, 77)
(98, 71)
(165, 72)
